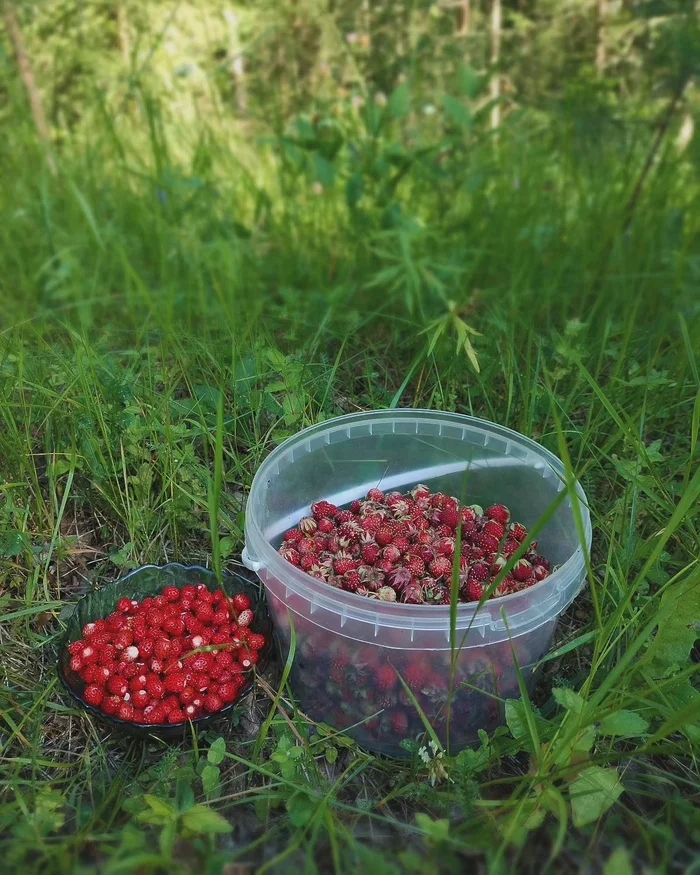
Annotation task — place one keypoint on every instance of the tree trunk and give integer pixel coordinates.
(496, 21)
(14, 31)
(238, 74)
(600, 55)
(464, 18)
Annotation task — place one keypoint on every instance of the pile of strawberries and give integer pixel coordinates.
(401, 547)
(170, 658)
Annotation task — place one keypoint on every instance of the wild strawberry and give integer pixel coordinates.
(401, 543)
(188, 695)
(157, 666)
(370, 553)
(540, 572)
(441, 566)
(468, 532)
(205, 613)
(384, 536)
(130, 654)
(399, 722)
(137, 682)
(420, 490)
(110, 704)
(140, 698)
(125, 711)
(241, 602)
(175, 648)
(450, 517)
(175, 682)
(542, 562)
(221, 616)
(351, 581)
(499, 513)
(170, 593)
(371, 523)
(472, 589)
(479, 571)
(385, 677)
(292, 536)
(124, 605)
(510, 546)
(308, 545)
(323, 509)
(326, 526)
(521, 570)
(116, 622)
(391, 553)
(494, 528)
(177, 715)
(292, 556)
(123, 639)
(213, 703)
(126, 670)
(155, 618)
(445, 546)
(200, 681)
(414, 565)
(190, 712)
(153, 714)
(386, 594)
(412, 593)
(518, 531)
(228, 692)
(375, 495)
(117, 686)
(200, 662)
(154, 686)
(89, 654)
(245, 618)
(487, 542)
(307, 525)
(249, 659)
(75, 648)
(93, 694)
(162, 648)
(188, 592)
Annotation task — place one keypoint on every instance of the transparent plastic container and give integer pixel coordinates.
(343, 638)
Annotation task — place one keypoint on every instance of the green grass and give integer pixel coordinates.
(160, 284)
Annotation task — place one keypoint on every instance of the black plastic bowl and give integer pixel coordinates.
(148, 581)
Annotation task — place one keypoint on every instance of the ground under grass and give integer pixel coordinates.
(138, 288)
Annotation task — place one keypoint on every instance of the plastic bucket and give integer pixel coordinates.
(342, 639)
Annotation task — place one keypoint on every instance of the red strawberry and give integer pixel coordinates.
(175, 682)
(370, 553)
(326, 526)
(292, 536)
(140, 699)
(170, 593)
(420, 491)
(213, 703)
(126, 670)
(351, 581)
(371, 523)
(249, 659)
(124, 605)
(518, 531)
(441, 566)
(292, 556)
(117, 686)
(153, 714)
(399, 722)
(499, 513)
(473, 590)
(256, 641)
(125, 711)
(384, 536)
(375, 495)
(155, 687)
(93, 694)
(188, 592)
(445, 546)
(510, 547)
(522, 570)
(110, 704)
(450, 517)
(205, 612)
(385, 677)
(391, 553)
(162, 648)
(221, 616)
(487, 542)
(479, 571)
(177, 715)
(228, 692)
(138, 682)
(540, 572)
(323, 509)
(200, 662)
(89, 654)
(495, 529)
(414, 675)
(414, 565)
(401, 543)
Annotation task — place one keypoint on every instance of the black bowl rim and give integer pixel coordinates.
(158, 729)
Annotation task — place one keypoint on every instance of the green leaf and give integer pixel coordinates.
(324, 171)
(457, 111)
(300, 808)
(202, 820)
(592, 793)
(159, 806)
(354, 188)
(227, 545)
(469, 81)
(618, 863)
(12, 544)
(331, 754)
(210, 779)
(626, 724)
(676, 636)
(399, 103)
(568, 699)
(437, 830)
(517, 722)
(217, 751)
